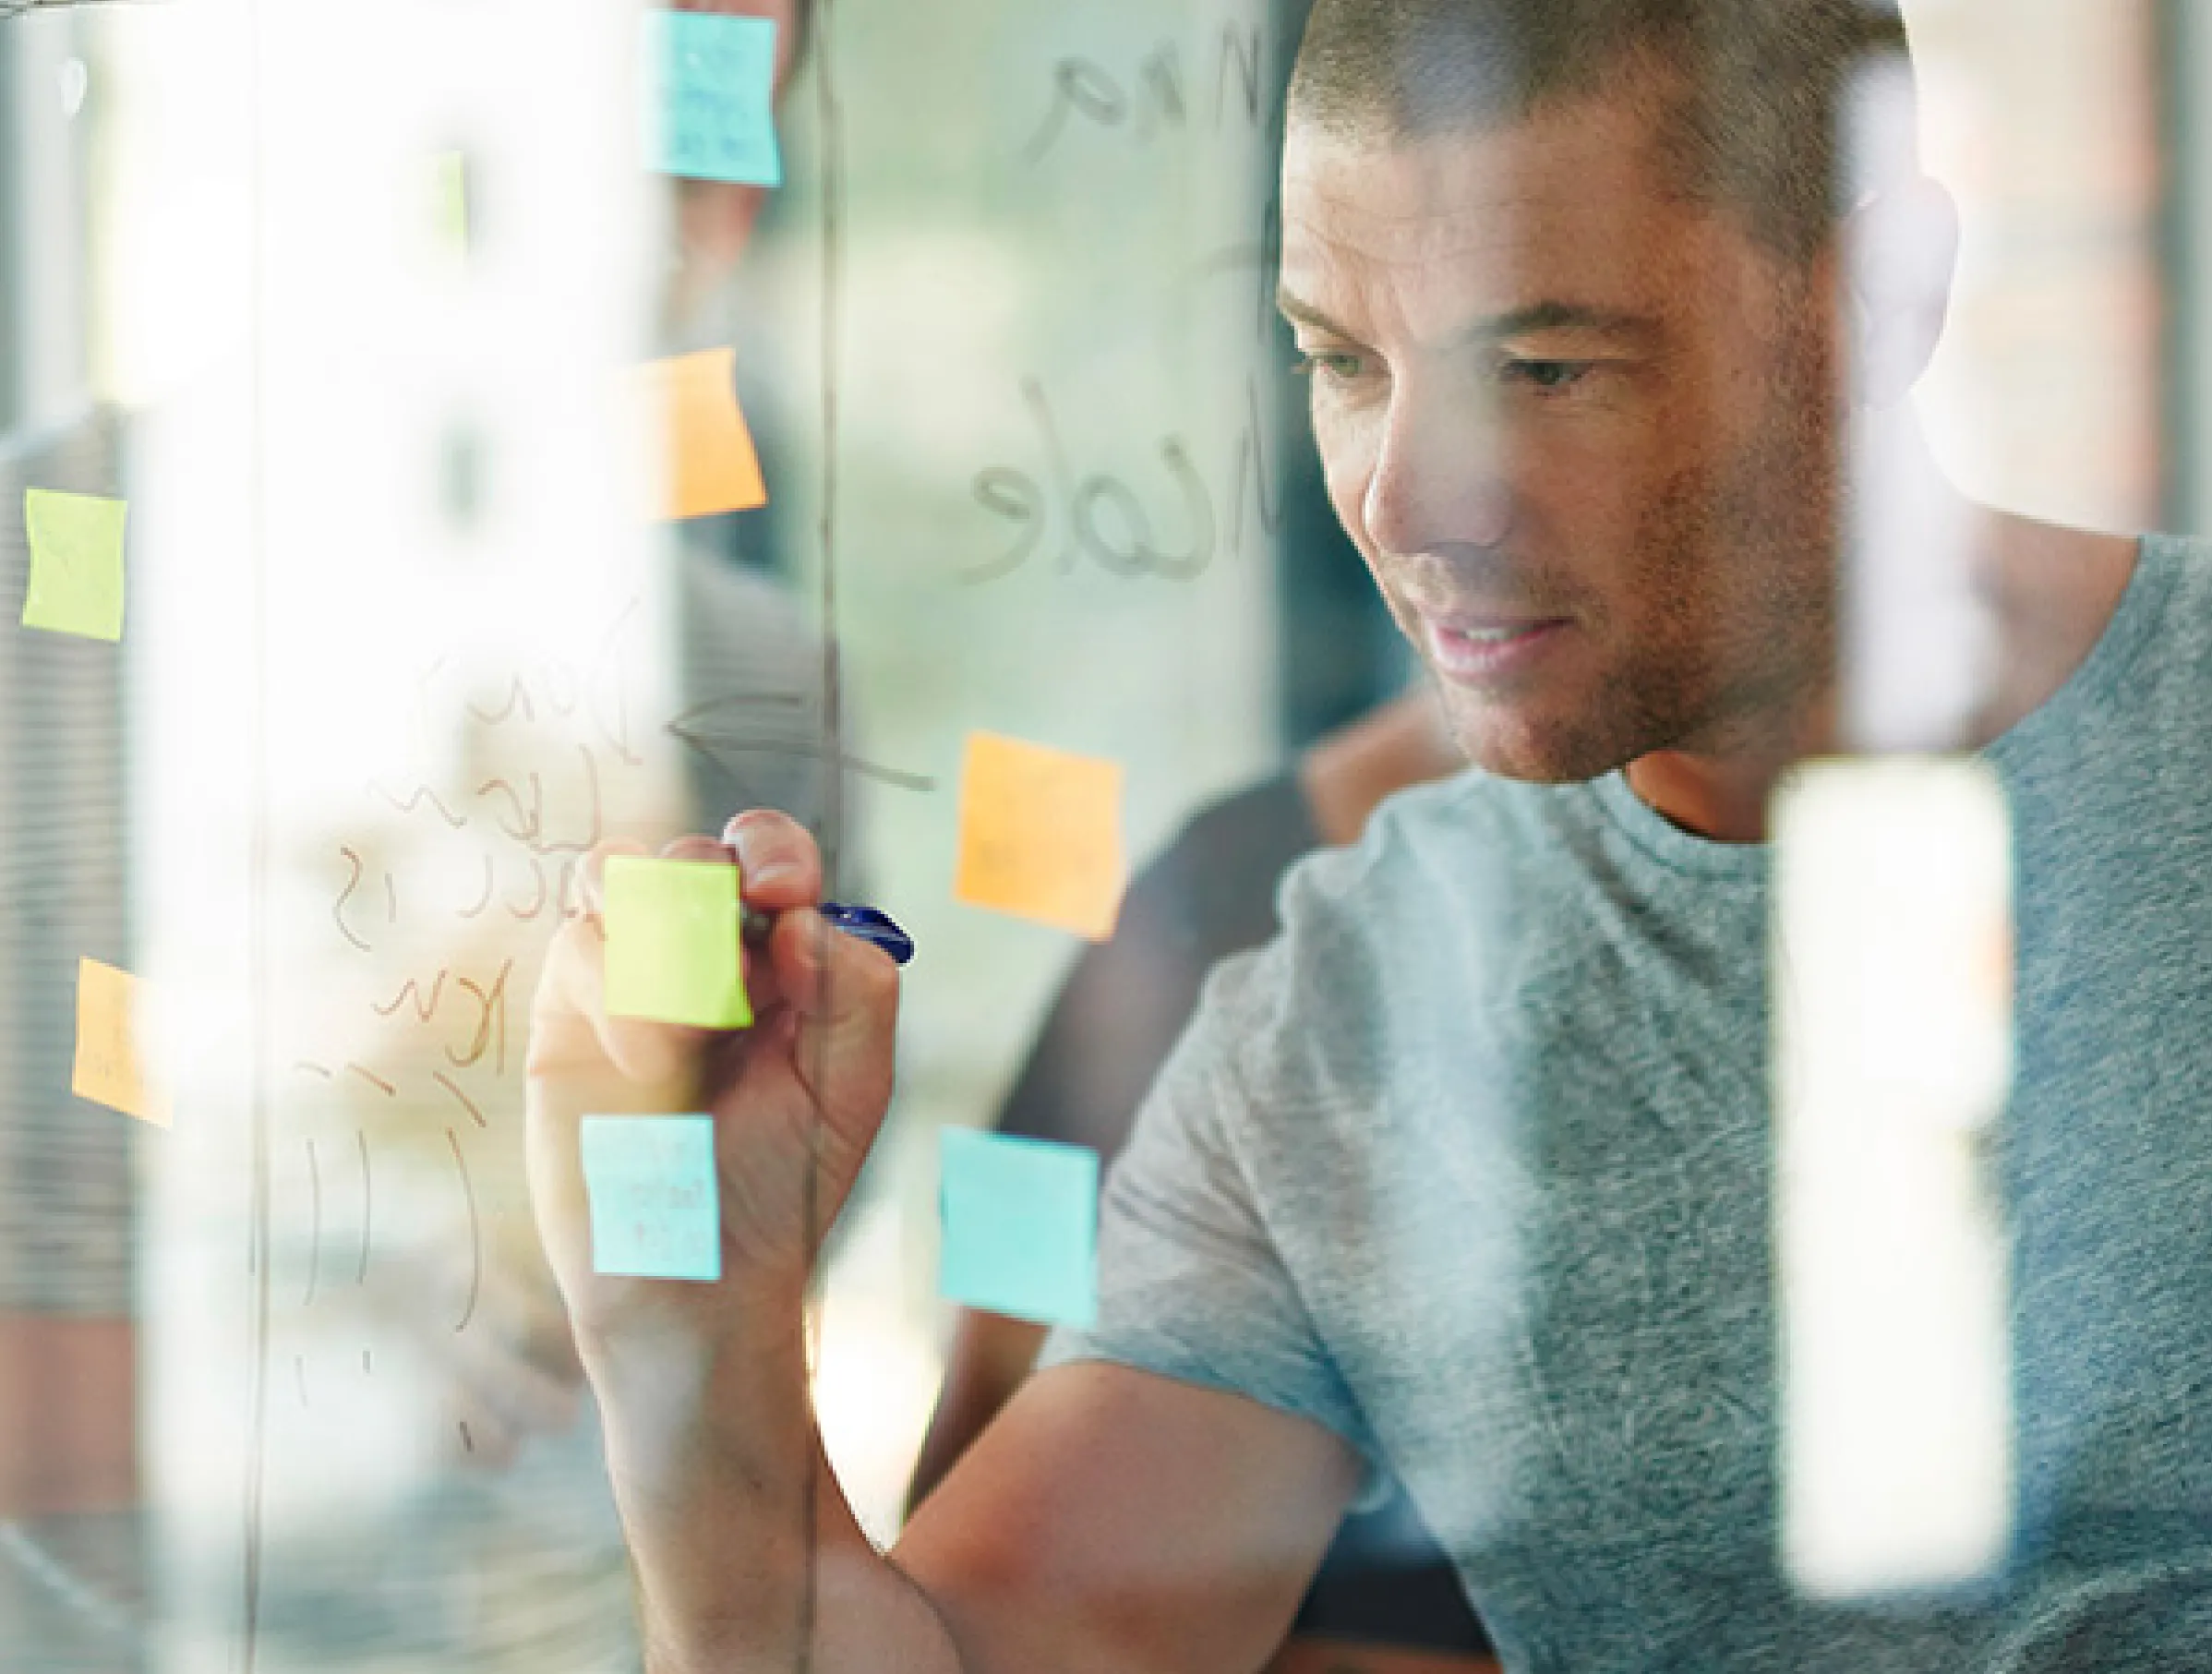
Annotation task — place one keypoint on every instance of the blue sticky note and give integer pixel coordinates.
(710, 97)
(655, 1212)
(1021, 1226)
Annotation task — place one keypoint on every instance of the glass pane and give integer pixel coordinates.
(1577, 568)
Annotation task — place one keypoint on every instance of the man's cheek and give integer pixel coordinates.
(1348, 459)
(1404, 617)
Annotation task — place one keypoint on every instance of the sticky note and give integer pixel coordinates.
(451, 199)
(709, 462)
(1021, 1226)
(710, 104)
(76, 563)
(655, 1211)
(108, 1069)
(672, 950)
(1040, 835)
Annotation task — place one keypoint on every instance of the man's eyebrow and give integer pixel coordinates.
(1519, 322)
(1565, 316)
(1306, 313)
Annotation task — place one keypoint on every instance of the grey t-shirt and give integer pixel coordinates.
(1471, 1167)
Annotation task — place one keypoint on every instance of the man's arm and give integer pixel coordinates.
(991, 1357)
(1112, 1520)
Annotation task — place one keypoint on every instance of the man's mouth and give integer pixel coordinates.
(1482, 650)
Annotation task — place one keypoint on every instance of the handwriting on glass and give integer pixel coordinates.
(1099, 517)
(1152, 98)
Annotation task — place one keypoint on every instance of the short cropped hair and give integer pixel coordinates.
(1753, 90)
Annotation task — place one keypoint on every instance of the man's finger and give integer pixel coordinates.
(697, 848)
(846, 993)
(761, 986)
(571, 1029)
(778, 861)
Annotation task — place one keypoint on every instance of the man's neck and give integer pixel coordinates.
(1723, 795)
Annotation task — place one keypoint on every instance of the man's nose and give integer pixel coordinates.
(1440, 474)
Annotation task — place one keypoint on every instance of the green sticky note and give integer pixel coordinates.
(1021, 1226)
(710, 104)
(76, 563)
(672, 950)
(655, 1210)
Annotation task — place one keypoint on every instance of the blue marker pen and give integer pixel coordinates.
(866, 923)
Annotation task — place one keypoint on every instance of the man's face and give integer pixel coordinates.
(1584, 431)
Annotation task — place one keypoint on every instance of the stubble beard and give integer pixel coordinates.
(1746, 653)
(1739, 561)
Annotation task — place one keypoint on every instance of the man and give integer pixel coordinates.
(1469, 1170)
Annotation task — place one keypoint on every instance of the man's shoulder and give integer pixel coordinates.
(2185, 549)
(1445, 872)
(2136, 685)
(2177, 568)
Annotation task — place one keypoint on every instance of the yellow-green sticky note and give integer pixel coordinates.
(452, 177)
(672, 948)
(76, 563)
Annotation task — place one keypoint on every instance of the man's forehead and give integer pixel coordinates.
(1585, 157)
(1573, 200)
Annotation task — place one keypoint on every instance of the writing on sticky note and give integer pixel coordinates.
(1040, 835)
(655, 1211)
(710, 101)
(1021, 1226)
(708, 462)
(76, 563)
(108, 1068)
(672, 948)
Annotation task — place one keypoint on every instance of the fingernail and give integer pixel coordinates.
(773, 870)
(766, 871)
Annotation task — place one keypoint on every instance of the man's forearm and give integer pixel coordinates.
(747, 1557)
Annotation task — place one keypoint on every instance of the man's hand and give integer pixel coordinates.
(729, 1508)
(803, 1090)
(1110, 1521)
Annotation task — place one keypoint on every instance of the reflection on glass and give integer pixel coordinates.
(1737, 1231)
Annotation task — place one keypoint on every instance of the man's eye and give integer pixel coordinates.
(1337, 368)
(1549, 376)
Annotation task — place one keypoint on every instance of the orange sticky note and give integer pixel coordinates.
(710, 465)
(1040, 835)
(108, 1070)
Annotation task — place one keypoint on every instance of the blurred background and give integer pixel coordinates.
(281, 1385)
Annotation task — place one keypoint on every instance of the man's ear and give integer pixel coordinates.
(1900, 259)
